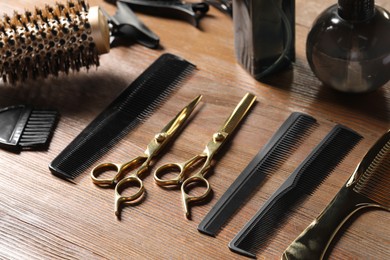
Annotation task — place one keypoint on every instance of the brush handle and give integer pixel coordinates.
(313, 242)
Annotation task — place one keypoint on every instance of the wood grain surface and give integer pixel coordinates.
(44, 217)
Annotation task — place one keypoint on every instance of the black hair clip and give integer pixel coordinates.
(225, 6)
(125, 24)
(191, 12)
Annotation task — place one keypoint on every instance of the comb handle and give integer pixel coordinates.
(313, 242)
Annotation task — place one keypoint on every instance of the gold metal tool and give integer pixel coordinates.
(369, 186)
(140, 164)
(198, 179)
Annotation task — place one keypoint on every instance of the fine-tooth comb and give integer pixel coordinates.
(133, 106)
(60, 38)
(369, 186)
(269, 158)
(301, 183)
(25, 128)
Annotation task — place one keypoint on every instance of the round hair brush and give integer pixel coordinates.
(54, 39)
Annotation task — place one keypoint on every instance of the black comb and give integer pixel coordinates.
(300, 184)
(23, 127)
(264, 163)
(134, 105)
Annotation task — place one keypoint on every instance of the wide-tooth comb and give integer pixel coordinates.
(270, 157)
(369, 186)
(300, 184)
(133, 106)
(26, 128)
(53, 39)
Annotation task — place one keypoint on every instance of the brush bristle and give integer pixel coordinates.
(38, 128)
(46, 41)
(374, 183)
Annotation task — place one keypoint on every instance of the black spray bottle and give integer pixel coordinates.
(264, 35)
(348, 47)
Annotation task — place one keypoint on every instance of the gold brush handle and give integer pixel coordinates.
(99, 29)
(313, 242)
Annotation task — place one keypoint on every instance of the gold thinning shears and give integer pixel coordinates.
(140, 164)
(181, 170)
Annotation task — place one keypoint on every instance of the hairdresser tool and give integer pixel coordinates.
(264, 35)
(140, 164)
(269, 158)
(134, 105)
(300, 184)
(125, 24)
(52, 40)
(348, 46)
(23, 127)
(225, 6)
(191, 12)
(368, 187)
(63, 38)
(183, 169)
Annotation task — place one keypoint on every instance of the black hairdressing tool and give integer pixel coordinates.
(126, 24)
(225, 6)
(268, 43)
(25, 128)
(134, 105)
(368, 187)
(191, 12)
(300, 184)
(264, 163)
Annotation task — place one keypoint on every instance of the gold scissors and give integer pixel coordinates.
(139, 164)
(198, 179)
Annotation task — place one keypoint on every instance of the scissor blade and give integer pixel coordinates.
(172, 127)
(238, 113)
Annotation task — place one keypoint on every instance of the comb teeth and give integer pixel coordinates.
(301, 183)
(23, 127)
(38, 128)
(48, 41)
(374, 183)
(134, 105)
(269, 158)
(325, 158)
(292, 139)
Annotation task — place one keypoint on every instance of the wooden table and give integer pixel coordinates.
(44, 217)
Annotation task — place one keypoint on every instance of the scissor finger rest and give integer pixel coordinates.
(196, 180)
(131, 181)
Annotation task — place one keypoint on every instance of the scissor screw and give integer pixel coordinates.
(160, 137)
(218, 137)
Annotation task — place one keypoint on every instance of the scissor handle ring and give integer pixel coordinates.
(104, 167)
(122, 185)
(187, 198)
(169, 168)
(198, 178)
